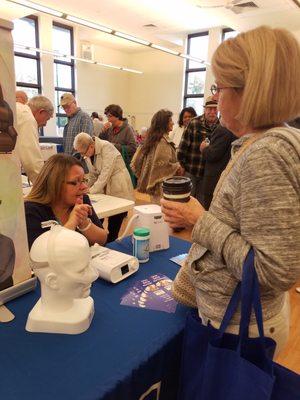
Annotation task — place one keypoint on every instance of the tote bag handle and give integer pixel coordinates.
(246, 292)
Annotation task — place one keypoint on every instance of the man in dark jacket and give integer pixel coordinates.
(196, 132)
(215, 156)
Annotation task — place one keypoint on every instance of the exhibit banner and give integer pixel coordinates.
(14, 257)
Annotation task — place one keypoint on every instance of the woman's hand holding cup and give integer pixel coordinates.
(184, 215)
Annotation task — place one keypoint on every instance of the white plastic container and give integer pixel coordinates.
(141, 241)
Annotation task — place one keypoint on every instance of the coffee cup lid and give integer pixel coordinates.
(178, 184)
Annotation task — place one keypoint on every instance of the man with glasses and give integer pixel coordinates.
(29, 119)
(189, 155)
(78, 121)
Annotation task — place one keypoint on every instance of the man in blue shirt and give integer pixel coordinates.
(78, 121)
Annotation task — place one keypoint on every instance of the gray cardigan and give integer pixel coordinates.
(257, 205)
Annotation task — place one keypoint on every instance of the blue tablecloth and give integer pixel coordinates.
(123, 353)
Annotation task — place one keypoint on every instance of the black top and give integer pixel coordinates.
(215, 157)
(37, 213)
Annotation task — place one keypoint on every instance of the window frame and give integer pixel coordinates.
(35, 57)
(71, 64)
(189, 70)
(226, 30)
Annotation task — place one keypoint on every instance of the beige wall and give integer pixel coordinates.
(160, 85)
(99, 86)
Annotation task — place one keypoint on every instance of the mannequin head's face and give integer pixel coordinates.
(61, 261)
(74, 283)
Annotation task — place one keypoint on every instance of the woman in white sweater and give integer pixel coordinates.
(107, 174)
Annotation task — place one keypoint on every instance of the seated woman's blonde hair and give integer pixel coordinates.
(48, 185)
(265, 64)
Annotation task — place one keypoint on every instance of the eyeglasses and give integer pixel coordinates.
(216, 89)
(78, 182)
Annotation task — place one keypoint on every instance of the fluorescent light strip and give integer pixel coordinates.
(195, 59)
(165, 49)
(38, 7)
(131, 70)
(60, 55)
(105, 29)
(88, 24)
(131, 38)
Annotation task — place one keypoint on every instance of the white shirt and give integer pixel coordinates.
(98, 126)
(27, 146)
(176, 135)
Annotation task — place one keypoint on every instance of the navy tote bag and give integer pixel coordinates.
(222, 366)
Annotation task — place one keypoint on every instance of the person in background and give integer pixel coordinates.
(188, 153)
(29, 118)
(118, 131)
(156, 160)
(142, 136)
(185, 117)
(21, 97)
(78, 121)
(59, 193)
(256, 203)
(215, 156)
(107, 174)
(98, 125)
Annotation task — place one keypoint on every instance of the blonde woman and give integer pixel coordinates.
(256, 203)
(59, 193)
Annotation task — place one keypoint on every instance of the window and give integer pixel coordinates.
(195, 73)
(64, 75)
(27, 62)
(228, 33)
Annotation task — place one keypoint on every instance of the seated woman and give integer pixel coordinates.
(256, 201)
(107, 174)
(156, 160)
(59, 193)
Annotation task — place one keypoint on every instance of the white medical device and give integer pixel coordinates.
(113, 266)
(150, 216)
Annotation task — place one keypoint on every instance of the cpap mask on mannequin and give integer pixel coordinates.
(66, 255)
(60, 259)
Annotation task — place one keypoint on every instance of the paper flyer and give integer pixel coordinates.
(180, 259)
(153, 293)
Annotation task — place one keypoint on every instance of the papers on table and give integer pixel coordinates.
(180, 259)
(153, 293)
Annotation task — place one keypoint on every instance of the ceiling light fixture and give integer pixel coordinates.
(195, 59)
(105, 29)
(89, 24)
(60, 55)
(131, 38)
(131, 70)
(38, 7)
(165, 49)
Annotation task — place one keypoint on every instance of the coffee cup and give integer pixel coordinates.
(177, 188)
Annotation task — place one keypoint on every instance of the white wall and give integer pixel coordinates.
(160, 85)
(99, 86)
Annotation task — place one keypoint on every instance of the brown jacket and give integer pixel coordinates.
(159, 164)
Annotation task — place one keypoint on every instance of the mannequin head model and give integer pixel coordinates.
(61, 261)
